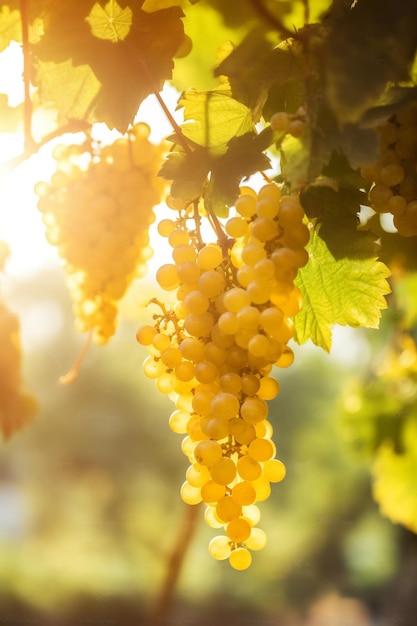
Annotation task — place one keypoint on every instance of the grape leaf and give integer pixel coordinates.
(359, 62)
(212, 118)
(345, 291)
(254, 66)
(244, 157)
(10, 26)
(188, 172)
(336, 214)
(111, 21)
(395, 479)
(124, 72)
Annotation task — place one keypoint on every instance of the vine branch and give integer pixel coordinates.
(175, 562)
(73, 126)
(27, 105)
(155, 90)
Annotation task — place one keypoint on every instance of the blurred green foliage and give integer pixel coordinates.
(91, 489)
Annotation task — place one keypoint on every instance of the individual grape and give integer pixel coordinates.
(248, 468)
(240, 559)
(224, 471)
(212, 491)
(262, 489)
(243, 493)
(268, 388)
(208, 453)
(251, 513)
(225, 405)
(296, 128)
(220, 548)
(145, 334)
(197, 475)
(238, 530)
(190, 494)
(279, 121)
(254, 410)
(274, 470)
(178, 421)
(167, 277)
(227, 509)
(210, 257)
(256, 540)
(246, 205)
(261, 449)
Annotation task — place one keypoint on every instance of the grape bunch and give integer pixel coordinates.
(97, 209)
(16, 406)
(393, 177)
(213, 351)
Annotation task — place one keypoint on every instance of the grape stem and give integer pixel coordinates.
(149, 77)
(72, 373)
(73, 126)
(27, 105)
(168, 316)
(273, 20)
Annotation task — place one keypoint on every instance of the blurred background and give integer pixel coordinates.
(90, 513)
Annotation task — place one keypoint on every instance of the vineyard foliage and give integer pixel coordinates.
(319, 97)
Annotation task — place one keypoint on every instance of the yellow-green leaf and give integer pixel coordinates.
(349, 292)
(10, 26)
(212, 118)
(156, 5)
(110, 22)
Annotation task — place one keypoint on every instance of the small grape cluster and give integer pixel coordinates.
(213, 351)
(97, 209)
(293, 124)
(16, 406)
(393, 177)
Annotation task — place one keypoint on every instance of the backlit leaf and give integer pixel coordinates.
(212, 118)
(10, 26)
(111, 21)
(345, 291)
(118, 75)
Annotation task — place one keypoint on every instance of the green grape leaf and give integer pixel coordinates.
(187, 171)
(395, 479)
(111, 21)
(299, 165)
(212, 118)
(345, 291)
(117, 75)
(359, 62)
(244, 157)
(336, 213)
(10, 26)
(393, 98)
(77, 97)
(254, 67)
